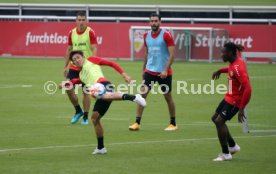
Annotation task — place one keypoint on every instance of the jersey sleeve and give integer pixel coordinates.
(70, 38)
(93, 38)
(223, 70)
(100, 61)
(75, 81)
(242, 76)
(168, 38)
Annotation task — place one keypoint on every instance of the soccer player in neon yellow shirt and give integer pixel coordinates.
(91, 75)
(82, 38)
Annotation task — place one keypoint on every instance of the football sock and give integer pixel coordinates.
(78, 109)
(173, 121)
(231, 142)
(128, 97)
(225, 149)
(100, 142)
(85, 115)
(138, 119)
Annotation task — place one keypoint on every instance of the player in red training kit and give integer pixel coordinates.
(235, 100)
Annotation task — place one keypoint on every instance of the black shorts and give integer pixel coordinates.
(165, 84)
(72, 74)
(101, 106)
(226, 110)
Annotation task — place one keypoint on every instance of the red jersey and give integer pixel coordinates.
(239, 91)
(169, 41)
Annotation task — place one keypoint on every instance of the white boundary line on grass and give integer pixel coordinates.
(15, 86)
(128, 143)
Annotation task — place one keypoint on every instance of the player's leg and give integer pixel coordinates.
(233, 146)
(148, 81)
(110, 95)
(171, 107)
(222, 132)
(73, 97)
(95, 118)
(224, 112)
(86, 105)
(166, 88)
(99, 110)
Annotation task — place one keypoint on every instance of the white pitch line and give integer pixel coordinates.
(211, 124)
(15, 86)
(116, 119)
(128, 143)
(236, 124)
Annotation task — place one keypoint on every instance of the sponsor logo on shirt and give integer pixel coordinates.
(81, 44)
(231, 73)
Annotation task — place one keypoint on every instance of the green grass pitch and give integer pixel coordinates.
(148, 2)
(37, 137)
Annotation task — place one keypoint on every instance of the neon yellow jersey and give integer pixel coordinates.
(90, 73)
(81, 42)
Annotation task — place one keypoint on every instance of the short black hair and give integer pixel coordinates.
(81, 13)
(155, 15)
(72, 53)
(230, 46)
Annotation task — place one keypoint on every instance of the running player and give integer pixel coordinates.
(91, 74)
(235, 100)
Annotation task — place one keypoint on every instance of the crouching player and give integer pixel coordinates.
(91, 74)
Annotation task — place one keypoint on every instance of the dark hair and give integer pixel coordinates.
(81, 13)
(155, 15)
(233, 48)
(72, 53)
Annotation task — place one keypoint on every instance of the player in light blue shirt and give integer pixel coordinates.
(158, 59)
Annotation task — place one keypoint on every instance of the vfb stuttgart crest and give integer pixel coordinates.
(231, 73)
(138, 40)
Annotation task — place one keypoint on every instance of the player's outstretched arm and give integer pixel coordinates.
(126, 77)
(100, 61)
(217, 73)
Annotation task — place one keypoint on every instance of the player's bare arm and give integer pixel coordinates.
(66, 60)
(245, 99)
(126, 77)
(241, 116)
(145, 60)
(94, 49)
(216, 75)
(164, 73)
